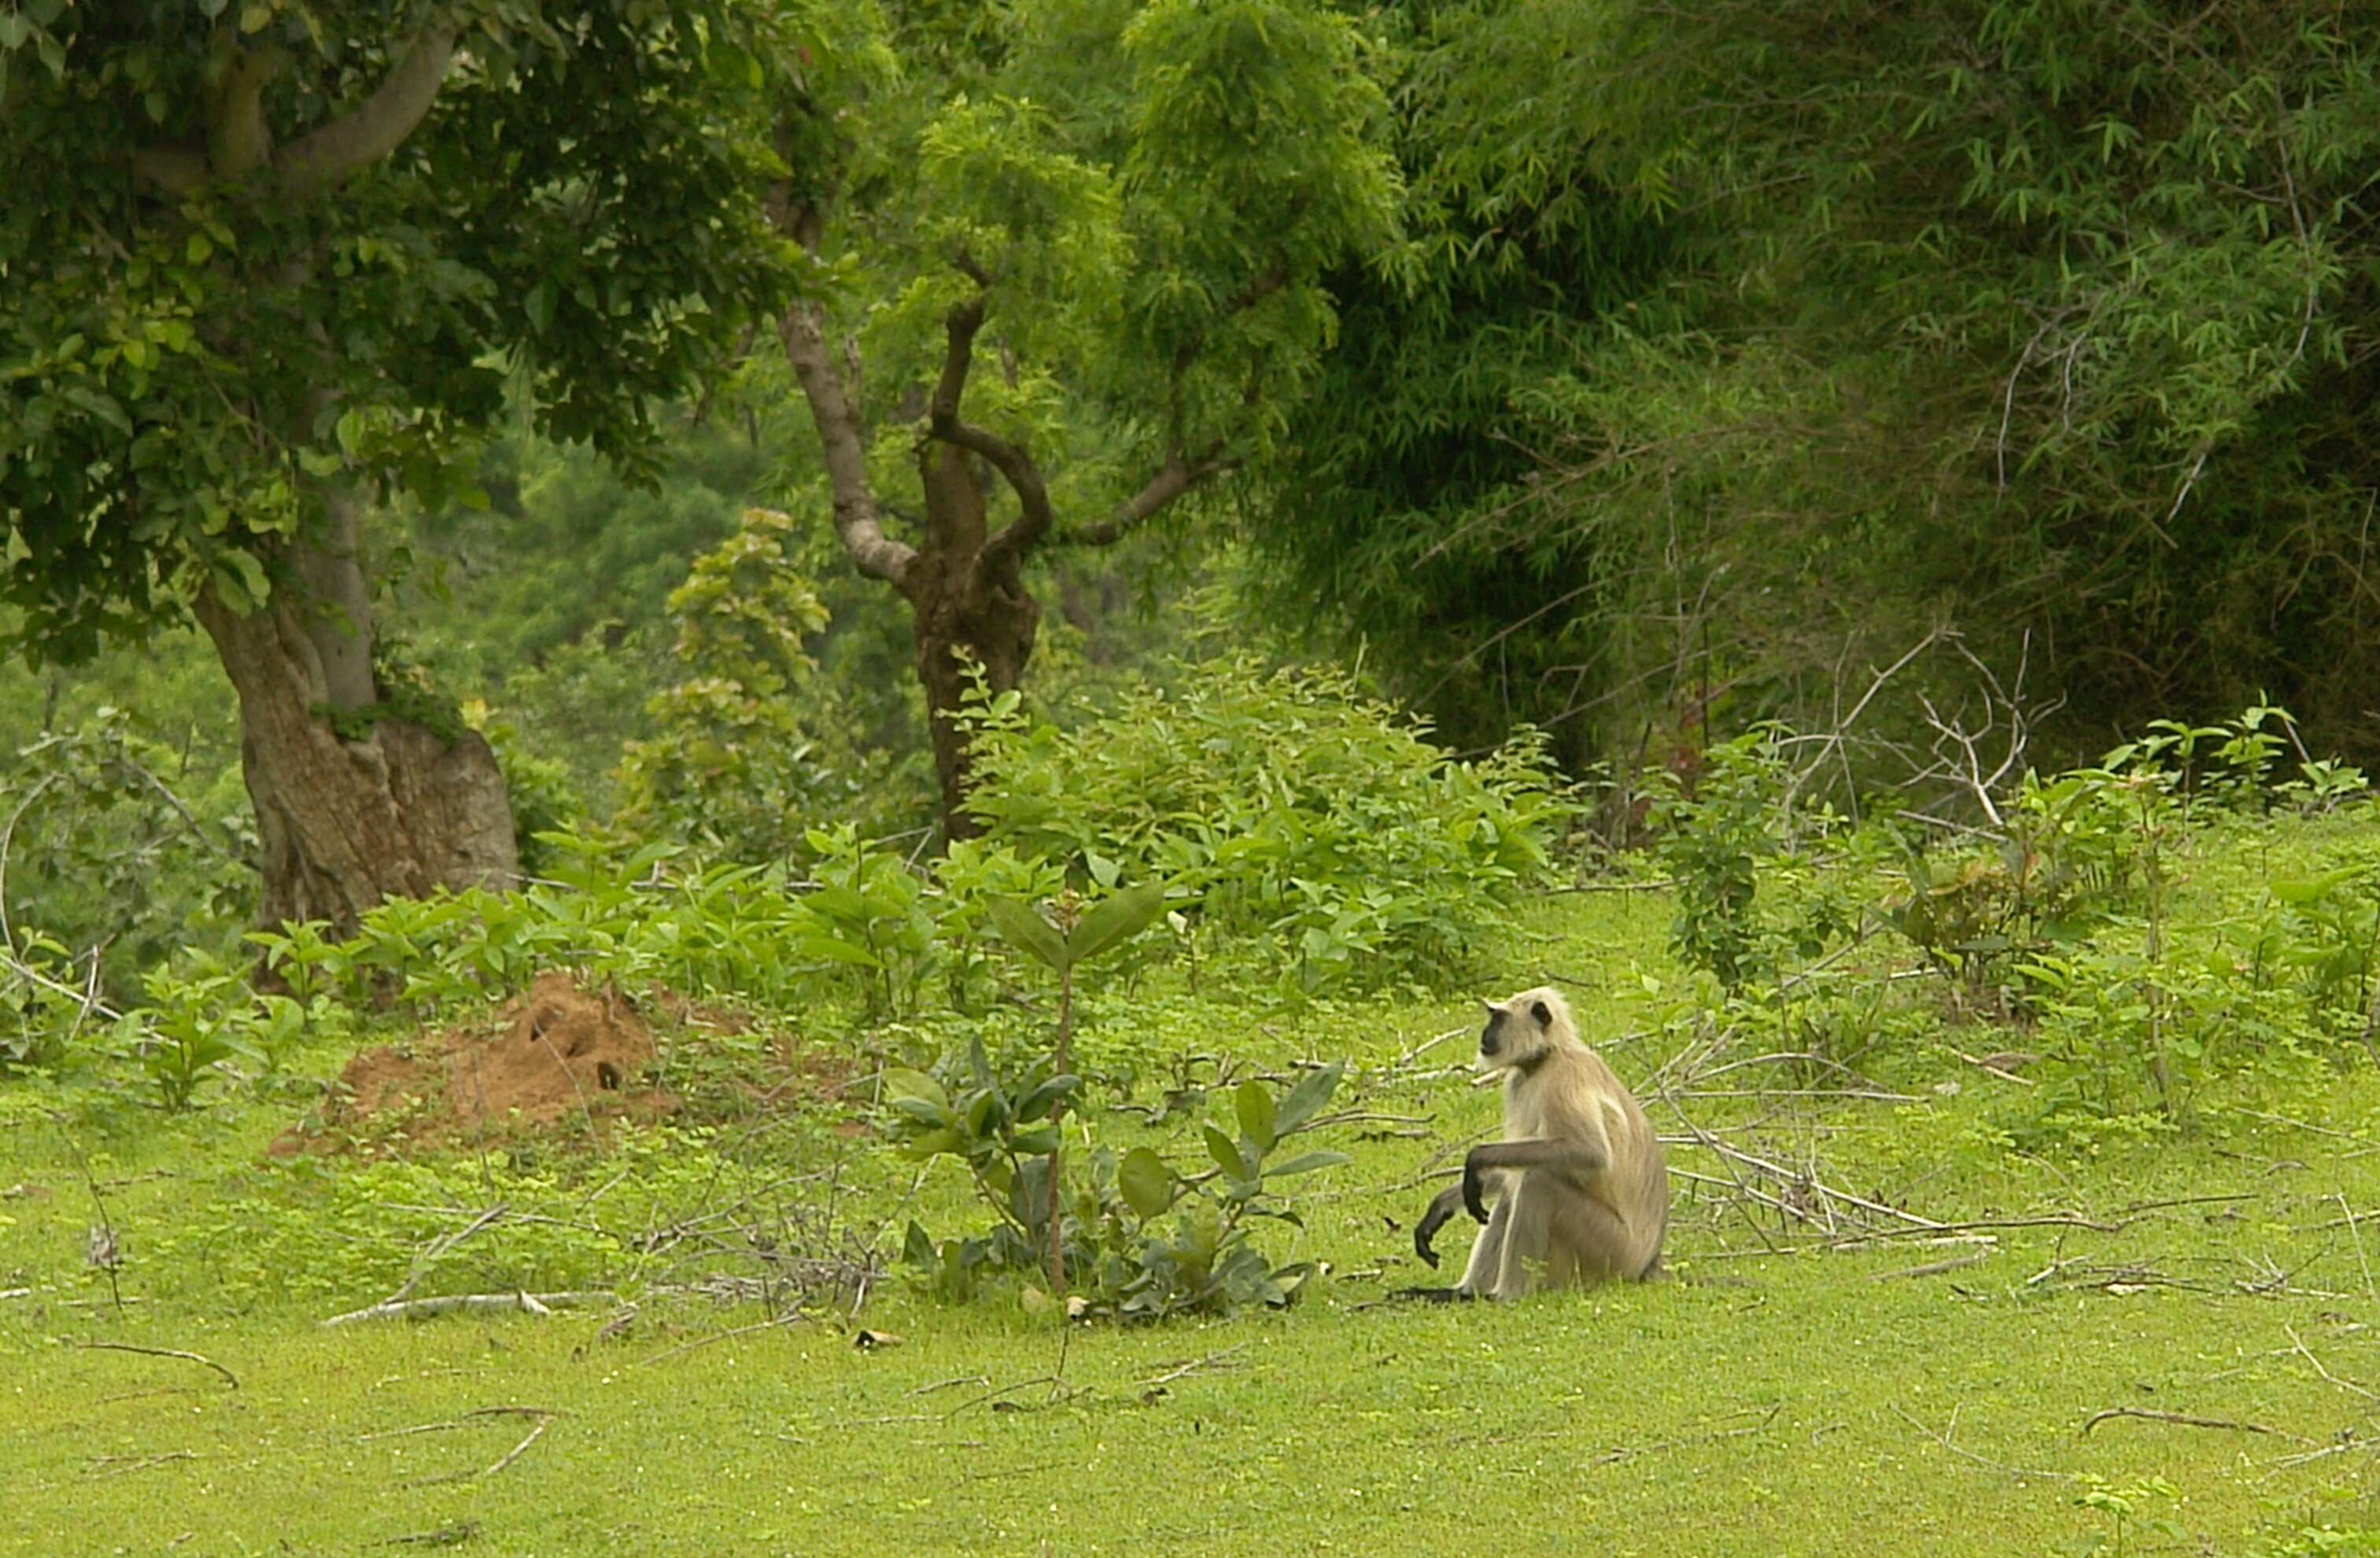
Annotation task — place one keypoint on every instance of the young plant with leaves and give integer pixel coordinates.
(1078, 937)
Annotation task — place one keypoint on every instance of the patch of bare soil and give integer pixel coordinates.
(559, 1052)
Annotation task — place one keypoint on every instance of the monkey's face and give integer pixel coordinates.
(1517, 1032)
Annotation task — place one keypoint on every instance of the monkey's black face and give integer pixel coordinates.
(1492, 1037)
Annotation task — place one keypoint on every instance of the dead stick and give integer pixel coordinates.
(2186, 1421)
(1934, 1268)
(164, 1352)
(514, 1454)
(787, 1319)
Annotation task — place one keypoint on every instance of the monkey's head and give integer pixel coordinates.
(1522, 1028)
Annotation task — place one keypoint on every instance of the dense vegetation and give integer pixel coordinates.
(782, 740)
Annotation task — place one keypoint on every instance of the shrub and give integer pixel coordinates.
(1284, 803)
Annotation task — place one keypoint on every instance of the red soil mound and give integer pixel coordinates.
(558, 1052)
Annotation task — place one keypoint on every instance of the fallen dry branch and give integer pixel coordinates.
(2186, 1421)
(1943, 1439)
(538, 1304)
(230, 1378)
(544, 1416)
(1934, 1268)
(116, 1466)
(788, 1318)
(444, 1424)
(1619, 1452)
(2307, 1353)
(1221, 1359)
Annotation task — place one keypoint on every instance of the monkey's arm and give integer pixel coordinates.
(1574, 1156)
(1441, 1207)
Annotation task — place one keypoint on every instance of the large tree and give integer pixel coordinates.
(1069, 264)
(266, 261)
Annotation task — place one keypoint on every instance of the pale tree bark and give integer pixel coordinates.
(342, 824)
(965, 583)
(398, 811)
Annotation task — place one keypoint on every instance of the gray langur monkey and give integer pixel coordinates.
(1584, 1192)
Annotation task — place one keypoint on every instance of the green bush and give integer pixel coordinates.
(1142, 1239)
(1284, 804)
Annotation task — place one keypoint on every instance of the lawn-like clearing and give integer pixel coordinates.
(1818, 1400)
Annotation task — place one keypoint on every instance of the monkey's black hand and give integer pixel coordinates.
(1475, 1189)
(1426, 1230)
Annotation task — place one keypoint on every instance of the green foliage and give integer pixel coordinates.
(543, 792)
(116, 840)
(235, 271)
(1711, 838)
(1107, 923)
(1144, 1240)
(1740, 342)
(1284, 804)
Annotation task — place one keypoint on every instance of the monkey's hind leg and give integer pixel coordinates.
(1560, 1237)
(1488, 1252)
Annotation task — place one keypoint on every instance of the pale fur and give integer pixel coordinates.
(1541, 1234)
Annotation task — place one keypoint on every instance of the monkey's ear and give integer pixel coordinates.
(1544, 1017)
(1490, 1004)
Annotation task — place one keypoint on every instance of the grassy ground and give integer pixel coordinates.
(1814, 1399)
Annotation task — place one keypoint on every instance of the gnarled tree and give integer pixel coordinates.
(1102, 234)
(264, 262)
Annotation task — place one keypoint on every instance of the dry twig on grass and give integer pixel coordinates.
(1943, 1439)
(540, 1304)
(2186, 1421)
(230, 1378)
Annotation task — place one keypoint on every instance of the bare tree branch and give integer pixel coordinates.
(844, 449)
(943, 422)
(1172, 481)
(240, 142)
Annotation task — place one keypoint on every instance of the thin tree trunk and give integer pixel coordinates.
(344, 823)
(963, 604)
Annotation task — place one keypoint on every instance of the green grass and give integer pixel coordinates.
(1801, 1402)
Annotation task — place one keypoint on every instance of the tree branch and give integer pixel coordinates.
(943, 422)
(173, 170)
(1172, 478)
(844, 450)
(327, 154)
(238, 141)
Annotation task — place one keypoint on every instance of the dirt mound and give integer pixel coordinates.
(560, 1050)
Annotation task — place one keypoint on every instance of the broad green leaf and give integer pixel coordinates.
(1300, 1102)
(1022, 926)
(1115, 920)
(539, 303)
(1044, 1096)
(836, 950)
(1144, 1181)
(1305, 1162)
(1253, 1101)
(1225, 1152)
(2312, 889)
(242, 576)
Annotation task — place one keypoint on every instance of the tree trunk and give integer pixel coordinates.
(342, 823)
(963, 603)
